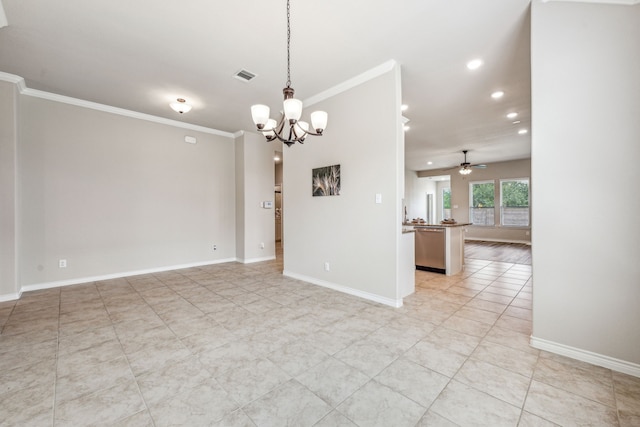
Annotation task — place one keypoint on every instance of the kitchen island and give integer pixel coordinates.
(439, 247)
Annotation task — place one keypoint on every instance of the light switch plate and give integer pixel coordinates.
(378, 198)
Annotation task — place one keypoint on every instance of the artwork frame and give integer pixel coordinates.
(326, 181)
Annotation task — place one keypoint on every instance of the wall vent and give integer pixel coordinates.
(244, 75)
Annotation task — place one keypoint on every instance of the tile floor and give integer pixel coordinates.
(241, 345)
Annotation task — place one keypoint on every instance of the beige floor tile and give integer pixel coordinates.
(431, 419)
(86, 379)
(467, 326)
(436, 357)
(335, 419)
(565, 408)
(520, 325)
(88, 355)
(369, 356)
(31, 406)
(41, 373)
(333, 380)
(494, 381)
(199, 405)
(297, 357)
(453, 340)
(377, 405)
(187, 331)
(226, 357)
(172, 379)
(27, 354)
(529, 420)
(464, 405)
(416, 382)
(493, 297)
(520, 362)
(485, 316)
(291, 404)
(102, 407)
(627, 392)
(510, 338)
(252, 379)
(236, 418)
(156, 355)
(592, 383)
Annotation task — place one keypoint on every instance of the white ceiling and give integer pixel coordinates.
(141, 55)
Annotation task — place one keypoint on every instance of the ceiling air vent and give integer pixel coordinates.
(244, 75)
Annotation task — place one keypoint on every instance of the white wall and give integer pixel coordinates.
(415, 197)
(585, 151)
(8, 191)
(359, 238)
(255, 182)
(460, 198)
(113, 194)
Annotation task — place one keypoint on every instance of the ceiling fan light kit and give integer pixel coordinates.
(292, 111)
(466, 167)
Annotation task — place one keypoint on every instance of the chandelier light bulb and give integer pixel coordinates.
(292, 109)
(270, 129)
(465, 171)
(260, 115)
(319, 120)
(303, 129)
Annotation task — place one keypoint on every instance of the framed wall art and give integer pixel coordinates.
(325, 181)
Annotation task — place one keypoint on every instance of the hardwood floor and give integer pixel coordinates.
(517, 253)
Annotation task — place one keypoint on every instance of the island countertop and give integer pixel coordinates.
(418, 225)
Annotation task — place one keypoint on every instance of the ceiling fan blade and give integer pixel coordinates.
(480, 166)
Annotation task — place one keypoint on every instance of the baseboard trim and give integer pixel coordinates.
(80, 280)
(614, 364)
(252, 260)
(10, 297)
(487, 239)
(396, 303)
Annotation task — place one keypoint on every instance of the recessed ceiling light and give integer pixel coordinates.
(497, 94)
(474, 64)
(512, 115)
(516, 122)
(429, 163)
(522, 131)
(404, 107)
(406, 127)
(276, 158)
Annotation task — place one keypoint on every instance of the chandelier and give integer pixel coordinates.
(290, 129)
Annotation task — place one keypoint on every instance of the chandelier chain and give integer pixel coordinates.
(288, 44)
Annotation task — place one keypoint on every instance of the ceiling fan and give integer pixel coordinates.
(465, 167)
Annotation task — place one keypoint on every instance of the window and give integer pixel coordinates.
(446, 203)
(481, 203)
(514, 202)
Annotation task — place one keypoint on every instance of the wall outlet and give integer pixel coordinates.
(327, 267)
(62, 263)
(262, 245)
(215, 247)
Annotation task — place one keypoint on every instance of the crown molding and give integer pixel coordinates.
(20, 83)
(616, 2)
(351, 83)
